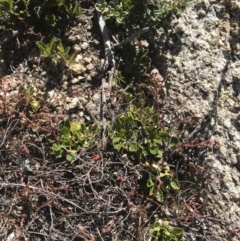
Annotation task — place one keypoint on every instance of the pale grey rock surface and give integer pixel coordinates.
(203, 59)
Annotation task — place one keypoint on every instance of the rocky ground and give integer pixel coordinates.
(203, 59)
(199, 56)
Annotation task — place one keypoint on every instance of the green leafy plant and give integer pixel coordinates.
(12, 8)
(112, 10)
(28, 99)
(62, 6)
(21, 6)
(134, 62)
(162, 231)
(164, 10)
(74, 137)
(19, 102)
(133, 12)
(13, 13)
(75, 9)
(56, 52)
(137, 131)
(158, 185)
(36, 12)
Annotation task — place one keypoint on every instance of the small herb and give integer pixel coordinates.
(137, 131)
(162, 231)
(158, 185)
(112, 10)
(29, 101)
(74, 137)
(55, 51)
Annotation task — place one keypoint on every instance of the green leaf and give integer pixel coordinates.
(57, 150)
(132, 108)
(164, 174)
(61, 3)
(35, 104)
(157, 140)
(129, 121)
(62, 57)
(118, 146)
(66, 124)
(163, 134)
(140, 146)
(98, 7)
(75, 9)
(144, 152)
(72, 58)
(155, 119)
(178, 232)
(6, 5)
(130, 134)
(157, 225)
(69, 157)
(154, 230)
(30, 90)
(56, 147)
(74, 127)
(133, 147)
(144, 53)
(174, 141)
(160, 153)
(154, 151)
(167, 233)
(151, 190)
(65, 131)
(150, 182)
(66, 141)
(66, 50)
(123, 132)
(60, 47)
(58, 154)
(159, 196)
(118, 122)
(174, 184)
(42, 47)
(116, 140)
(52, 45)
(76, 136)
(83, 129)
(165, 224)
(50, 19)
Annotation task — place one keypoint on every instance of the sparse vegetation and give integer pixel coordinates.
(27, 12)
(74, 137)
(135, 132)
(145, 12)
(138, 130)
(162, 231)
(160, 183)
(56, 52)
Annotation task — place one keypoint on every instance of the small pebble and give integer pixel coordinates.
(87, 59)
(75, 80)
(78, 58)
(85, 45)
(77, 48)
(90, 66)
